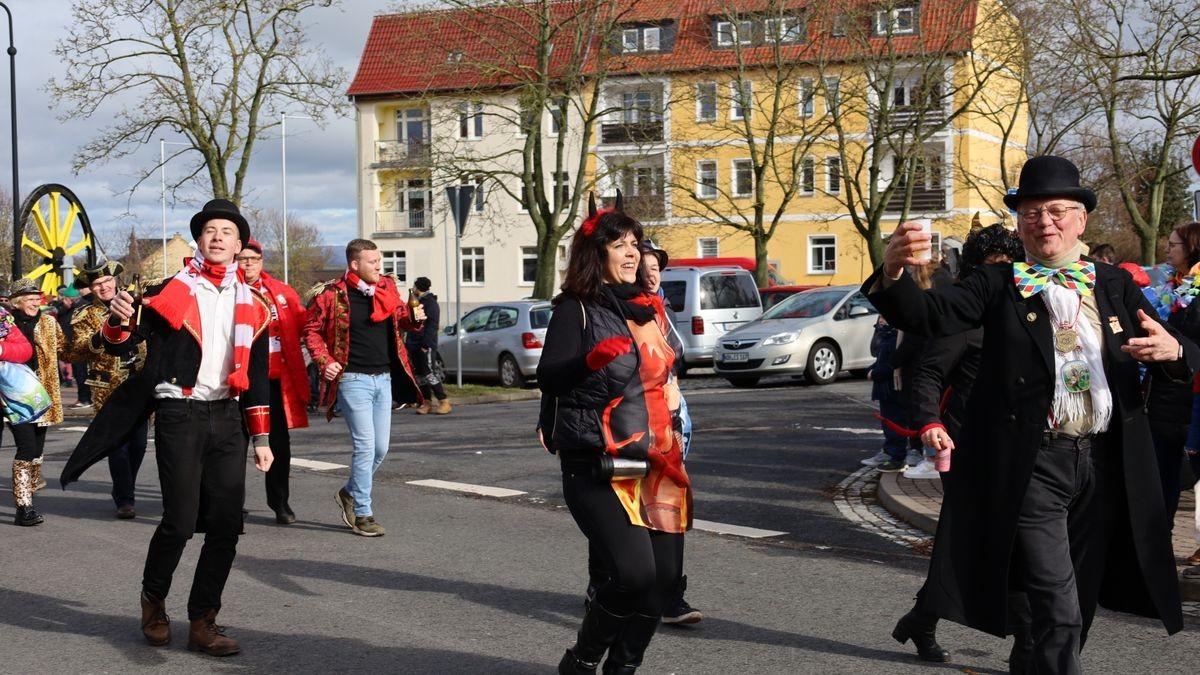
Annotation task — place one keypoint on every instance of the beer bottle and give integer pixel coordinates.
(414, 301)
(135, 289)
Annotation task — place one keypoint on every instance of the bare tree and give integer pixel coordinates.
(217, 72)
(303, 242)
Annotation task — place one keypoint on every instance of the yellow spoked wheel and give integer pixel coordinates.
(55, 227)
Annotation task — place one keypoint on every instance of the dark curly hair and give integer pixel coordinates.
(987, 241)
(589, 254)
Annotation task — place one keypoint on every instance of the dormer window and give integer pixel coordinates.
(729, 32)
(759, 30)
(648, 38)
(896, 21)
(454, 57)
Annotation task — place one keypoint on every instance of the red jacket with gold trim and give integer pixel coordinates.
(291, 315)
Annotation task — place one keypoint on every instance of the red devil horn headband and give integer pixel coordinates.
(589, 225)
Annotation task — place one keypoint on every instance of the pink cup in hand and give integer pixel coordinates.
(941, 461)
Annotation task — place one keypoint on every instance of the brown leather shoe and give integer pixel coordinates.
(156, 625)
(204, 635)
(425, 408)
(443, 407)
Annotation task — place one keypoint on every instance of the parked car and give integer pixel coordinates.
(773, 295)
(501, 341)
(708, 302)
(748, 264)
(815, 333)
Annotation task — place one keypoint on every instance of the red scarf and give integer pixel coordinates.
(384, 295)
(176, 303)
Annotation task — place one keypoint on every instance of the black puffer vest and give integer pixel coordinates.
(608, 409)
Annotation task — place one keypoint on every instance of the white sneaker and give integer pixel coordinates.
(879, 458)
(913, 457)
(924, 469)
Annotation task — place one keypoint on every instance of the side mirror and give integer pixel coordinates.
(451, 329)
(859, 310)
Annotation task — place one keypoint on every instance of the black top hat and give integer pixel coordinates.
(103, 268)
(1050, 176)
(220, 208)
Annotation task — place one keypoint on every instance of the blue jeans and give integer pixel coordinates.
(366, 404)
(895, 445)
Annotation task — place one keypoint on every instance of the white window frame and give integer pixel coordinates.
(562, 185)
(558, 124)
(784, 30)
(470, 120)
(806, 96)
(477, 198)
(745, 31)
(706, 190)
(406, 187)
(833, 94)
(629, 40)
(651, 39)
(726, 33)
(478, 267)
(833, 186)
(741, 101)
(827, 240)
(390, 258)
(700, 98)
(701, 242)
(808, 183)
(733, 177)
(890, 20)
(403, 119)
(526, 253)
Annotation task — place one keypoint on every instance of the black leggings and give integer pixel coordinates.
(643, 564)
(30, 440)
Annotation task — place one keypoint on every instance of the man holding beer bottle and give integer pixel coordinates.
(422, 349)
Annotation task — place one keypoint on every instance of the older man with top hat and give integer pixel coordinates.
(105, 372)
(288, 374)
(205, 379)
(1058, 495)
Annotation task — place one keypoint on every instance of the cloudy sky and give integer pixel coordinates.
(320, 162)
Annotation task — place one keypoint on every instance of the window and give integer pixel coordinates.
(472, 265)
(562, 187)
(822, 254)
(454, 57)
(706, 102)
(805, 90)
(629, 40)
(476, 319)
(651, 38)
(470, 120)
(896, 21)
(412, 125)
(833, 174)
(742, 99)
(724, 33)
(706, 179)
(841, 25)
(558, 109)
(808, 175)
(477, 196)
(722, 290)
(641, 39)
(528, 265)
(639, 106)
(414, 200)
(727, 32)
(647, 181)
(708, 247)
(832, 94)
(784, 30)
(394, 263)
(743, 178)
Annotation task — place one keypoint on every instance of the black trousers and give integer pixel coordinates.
(124, 463)
(422, 363)
(201, 449)
(643, 564)
(1062, 533)
(30, 440)
(281, 448)
(79, 373)
(1168, 448)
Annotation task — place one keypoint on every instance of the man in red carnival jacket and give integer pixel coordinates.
(289, 378)
(353, 334)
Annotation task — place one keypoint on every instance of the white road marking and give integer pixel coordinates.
(316, 465)
(735, 530)
(79, 429)
(485, 490)
(852, 430)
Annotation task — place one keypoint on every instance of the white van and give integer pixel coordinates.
(708, 302)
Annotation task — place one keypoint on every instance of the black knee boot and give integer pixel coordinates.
(600, 628)
(921, 628)
(626, 653)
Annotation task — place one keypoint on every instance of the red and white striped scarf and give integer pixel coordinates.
(177, 301)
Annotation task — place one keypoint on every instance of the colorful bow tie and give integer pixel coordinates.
(1031, 278)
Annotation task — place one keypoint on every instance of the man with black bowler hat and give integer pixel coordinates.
(205, 378)
(1059, 493)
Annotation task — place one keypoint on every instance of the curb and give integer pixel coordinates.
(892, 498)
(518, 395)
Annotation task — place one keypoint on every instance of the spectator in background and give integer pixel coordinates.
(69, 302)
(1104, 253)
(891, 456)
(422, 351)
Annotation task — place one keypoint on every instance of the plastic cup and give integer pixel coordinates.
(926, 227)
(941, 461)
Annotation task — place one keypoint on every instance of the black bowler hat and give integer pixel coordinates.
(223, 209)
(1050, 176)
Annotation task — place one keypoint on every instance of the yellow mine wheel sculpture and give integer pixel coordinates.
(54, 226)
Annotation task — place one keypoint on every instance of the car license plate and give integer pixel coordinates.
(726, 358)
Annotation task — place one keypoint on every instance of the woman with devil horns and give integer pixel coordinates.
(606, 363)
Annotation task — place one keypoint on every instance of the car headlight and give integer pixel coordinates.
(781, 339)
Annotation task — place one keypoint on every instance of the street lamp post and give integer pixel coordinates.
(162, 167)
(283, 117)
(16, 190)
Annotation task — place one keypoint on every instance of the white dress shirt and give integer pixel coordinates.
(216, 354)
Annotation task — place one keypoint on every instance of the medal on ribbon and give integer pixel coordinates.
(1076, 377)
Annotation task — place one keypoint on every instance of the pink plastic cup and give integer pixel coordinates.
(941, 461)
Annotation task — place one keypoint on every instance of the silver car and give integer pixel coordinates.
(500, 341)
(815, 333)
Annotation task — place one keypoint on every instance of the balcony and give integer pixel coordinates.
(923, 200)
(401, 154)
(631, 133)
(396, 224)
(642, 208)
(906, 117)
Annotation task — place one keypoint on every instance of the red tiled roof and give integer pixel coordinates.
(407, 54)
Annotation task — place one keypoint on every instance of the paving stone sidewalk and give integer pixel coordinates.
(917, 502)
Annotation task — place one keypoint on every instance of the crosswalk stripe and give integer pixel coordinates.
(316, 465)
(485, 490)
(735, 530)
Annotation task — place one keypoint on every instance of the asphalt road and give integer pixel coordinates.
(475, 584)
